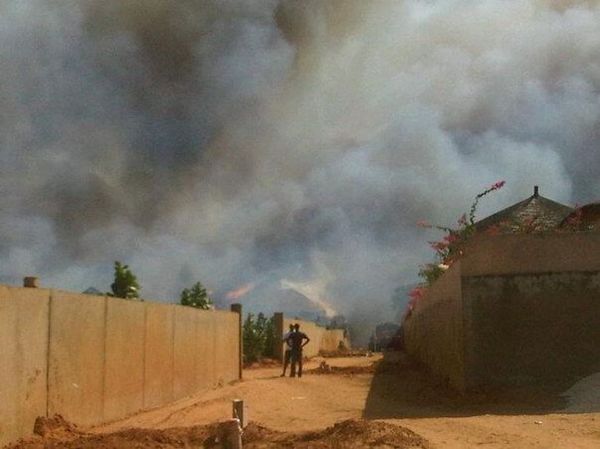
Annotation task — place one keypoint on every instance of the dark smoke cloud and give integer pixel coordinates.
(239, 141)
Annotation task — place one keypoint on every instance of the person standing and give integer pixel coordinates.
(298, 340)
(288, 349)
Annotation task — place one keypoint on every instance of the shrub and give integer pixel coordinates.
(259, 337)
(196, 297)
(125, 284)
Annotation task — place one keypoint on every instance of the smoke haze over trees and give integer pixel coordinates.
(259, 140)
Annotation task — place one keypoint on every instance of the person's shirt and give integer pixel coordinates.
(295, 340)
(286, 338)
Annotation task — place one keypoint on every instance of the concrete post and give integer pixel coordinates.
(238, 411)
(278, 322)
(237, 308)
(230, 434)
(30, 282)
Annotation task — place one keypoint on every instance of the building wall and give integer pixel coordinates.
(321, 339)
(434, 332)
(94, 359)
(532, 253)
(331, 339)
(517, 309)
(532, 328)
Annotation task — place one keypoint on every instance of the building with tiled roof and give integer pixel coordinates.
(519, 307)
(584, 218)
(534, 213)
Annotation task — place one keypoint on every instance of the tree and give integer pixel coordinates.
(270, 338)
(196, 297)
(253, 346)
(125, 284)
(259, 337)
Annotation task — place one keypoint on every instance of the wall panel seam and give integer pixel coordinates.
(48, 346)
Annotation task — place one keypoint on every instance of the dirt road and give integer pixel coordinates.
(367, 389)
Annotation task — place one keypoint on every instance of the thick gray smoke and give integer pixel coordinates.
(239, 141)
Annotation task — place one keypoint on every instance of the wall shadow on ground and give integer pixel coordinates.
(402, 389)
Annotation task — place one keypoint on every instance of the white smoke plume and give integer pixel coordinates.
(235, 140)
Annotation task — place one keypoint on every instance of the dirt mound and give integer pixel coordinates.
(325, 368)
(345, 353)
(349, 434)
(56, 433)
(353, 434)
(55, 427)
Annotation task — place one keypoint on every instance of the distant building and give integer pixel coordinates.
(386, 336)
(93, 291)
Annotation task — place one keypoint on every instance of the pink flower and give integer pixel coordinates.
(439, 246)
(451, 238)
(416, 294)
(498, 185)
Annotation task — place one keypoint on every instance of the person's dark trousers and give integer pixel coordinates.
(286, 360)
(296, 359)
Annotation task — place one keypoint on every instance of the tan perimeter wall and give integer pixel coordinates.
(321, 339)
(94, 359)
(433, 333)
(23, 360)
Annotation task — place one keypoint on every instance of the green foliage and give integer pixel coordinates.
(196, 297)
(125, 284)
(270, 338)
(259, 337)
(430, 272)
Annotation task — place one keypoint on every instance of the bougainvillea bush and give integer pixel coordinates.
(449, 248)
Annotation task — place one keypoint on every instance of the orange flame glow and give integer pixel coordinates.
(240, 291)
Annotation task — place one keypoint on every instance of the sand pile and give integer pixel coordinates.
(55, 433)
(325, 368)
(349, 434)
(353, 434)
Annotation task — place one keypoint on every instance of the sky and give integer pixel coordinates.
(295, 143)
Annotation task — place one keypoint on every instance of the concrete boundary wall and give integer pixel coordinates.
(125, 332)
(23, 360)
(76, 357)
(515, 310)
(321, 339)
(532, 253)
(159, 355)
(531, 328)
(434, 332)
(95, 359)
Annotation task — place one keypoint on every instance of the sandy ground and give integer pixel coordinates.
(394, 393)
(281, 403)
